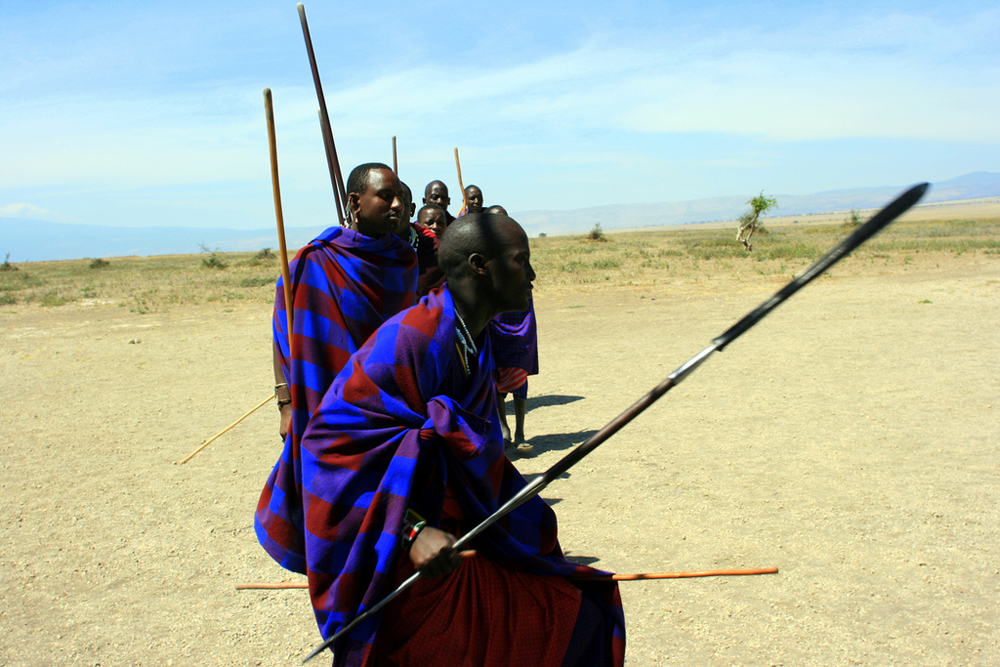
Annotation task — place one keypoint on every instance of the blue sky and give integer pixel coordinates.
(137, 114)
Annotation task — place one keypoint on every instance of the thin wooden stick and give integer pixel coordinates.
(639, 576)
(216, 436)
(395, 160)
(331, 148)
(686, 575)
(286, 278)
(458, 166)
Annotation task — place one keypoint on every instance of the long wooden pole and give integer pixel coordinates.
(458, 166)
(639, 576)
(286, 277)
(223, 431)
(395, 160)
(331, 147)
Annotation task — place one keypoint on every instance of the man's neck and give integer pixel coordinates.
(473, 311)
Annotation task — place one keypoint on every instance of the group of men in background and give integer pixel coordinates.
(370, 383)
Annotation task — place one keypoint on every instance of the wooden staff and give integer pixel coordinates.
(216, 436)
(639, 576)
(340, 192)
(458, 166)
(286, 277)
(395, 161)
(283, 251)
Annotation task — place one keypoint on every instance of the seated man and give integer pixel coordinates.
(408, 429)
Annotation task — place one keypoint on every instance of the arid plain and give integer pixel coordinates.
(851, 440)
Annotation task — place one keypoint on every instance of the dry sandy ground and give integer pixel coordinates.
(852, 440)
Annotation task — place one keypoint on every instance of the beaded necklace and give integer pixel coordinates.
(465, 343)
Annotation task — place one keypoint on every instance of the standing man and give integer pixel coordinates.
(436, 192)
(404, 455)
(474, 199)
(515, 353)
(345, 284)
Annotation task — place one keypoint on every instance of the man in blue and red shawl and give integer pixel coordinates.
(404, 455)
(515, 354)
(345, 284)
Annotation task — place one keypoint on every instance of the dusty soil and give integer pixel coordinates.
(851, 439)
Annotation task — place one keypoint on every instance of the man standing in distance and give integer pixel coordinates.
(436, 192)
(474, 199)
(345, 284)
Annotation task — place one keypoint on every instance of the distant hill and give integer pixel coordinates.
(971, 186)
(37, 240)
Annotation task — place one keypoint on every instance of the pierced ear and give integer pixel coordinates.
(354, 202)
(478, 263)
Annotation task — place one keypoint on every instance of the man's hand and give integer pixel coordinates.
(431, 552)
(285, 423)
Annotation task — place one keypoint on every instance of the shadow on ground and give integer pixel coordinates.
(581, 560)
(552, 399)
(557, 441)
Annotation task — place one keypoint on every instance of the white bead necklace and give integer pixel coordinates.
(466, 343)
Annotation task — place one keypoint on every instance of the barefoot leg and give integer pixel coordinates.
(502, 411)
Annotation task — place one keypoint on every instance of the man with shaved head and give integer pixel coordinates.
(344, 285)
(436, 193)
(404, 455)
(474, 199)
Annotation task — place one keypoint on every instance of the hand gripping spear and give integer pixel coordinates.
(896, 208)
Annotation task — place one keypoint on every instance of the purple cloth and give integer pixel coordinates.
(344, 286)
(515, 340)
(400, 422)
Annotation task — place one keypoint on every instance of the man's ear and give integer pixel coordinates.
(478, 264)
(354, 203)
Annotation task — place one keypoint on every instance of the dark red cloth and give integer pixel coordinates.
(480, 615)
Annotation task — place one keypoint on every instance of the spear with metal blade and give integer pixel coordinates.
(892, 211)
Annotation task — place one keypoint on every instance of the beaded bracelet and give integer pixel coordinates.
(414, 524)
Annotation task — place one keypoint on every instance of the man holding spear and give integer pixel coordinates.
(404, 455)
(344, 285)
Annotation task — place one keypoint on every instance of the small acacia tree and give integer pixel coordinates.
(748, 221)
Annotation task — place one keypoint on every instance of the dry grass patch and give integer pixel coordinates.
(650, 257)
(153, 284)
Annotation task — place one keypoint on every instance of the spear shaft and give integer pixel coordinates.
(339, 191)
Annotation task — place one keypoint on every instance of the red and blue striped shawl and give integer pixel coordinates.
(400, 423)
(344, 286)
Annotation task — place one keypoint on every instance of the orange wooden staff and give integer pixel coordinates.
(225, 430)
(639, 576)
(458, 166)
(286, 277)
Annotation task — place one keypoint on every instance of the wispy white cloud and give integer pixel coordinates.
(151, 112)
(22, 210)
